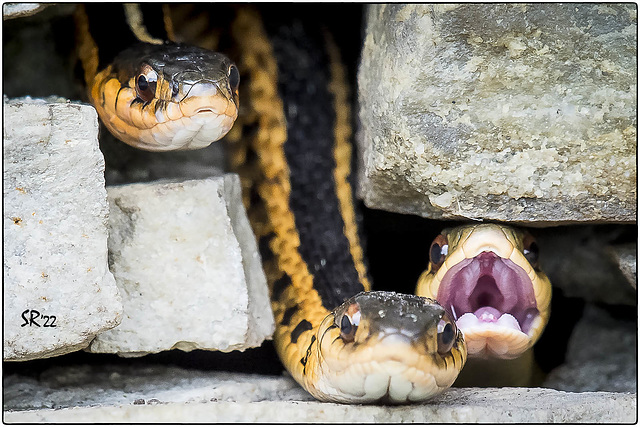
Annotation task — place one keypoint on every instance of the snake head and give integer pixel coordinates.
(387, 347)
(488, 276)
(167, 97)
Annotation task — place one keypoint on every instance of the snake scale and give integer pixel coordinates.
(291, 145)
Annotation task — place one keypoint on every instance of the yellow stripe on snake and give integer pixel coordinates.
(291, 145)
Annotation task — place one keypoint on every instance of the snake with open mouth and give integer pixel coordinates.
(489, 276)
(341, 341)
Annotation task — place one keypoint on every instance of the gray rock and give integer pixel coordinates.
(17, 10)
(55, 235)
(602, 355)
(509, 112)
(577, 260)
(187, 264)
(113, 385)
(626, 257)
(161, 394)
(36, 60)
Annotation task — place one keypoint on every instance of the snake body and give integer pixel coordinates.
(341, 341)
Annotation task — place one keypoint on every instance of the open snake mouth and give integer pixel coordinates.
(488, 291)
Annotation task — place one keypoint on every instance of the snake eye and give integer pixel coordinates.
(447, 332)
(349, 323)
(146, 84)
(438, 252)
(234, 78)
(531, 250)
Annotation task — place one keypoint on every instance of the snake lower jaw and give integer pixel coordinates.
(389, 381)
(188, 133)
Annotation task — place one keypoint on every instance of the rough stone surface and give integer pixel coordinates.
(161, 394)
(188, 268)
(602, 355)
(508, 112)
(113, 385)
(577, 259)
(55, 235)
(626, 257)
(16, 10)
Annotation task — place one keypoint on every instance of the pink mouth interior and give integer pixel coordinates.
(489, 286)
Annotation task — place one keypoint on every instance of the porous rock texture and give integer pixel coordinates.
(510, 112)
(163, 394)
(187, 264)
(58, 291)
(601, 356)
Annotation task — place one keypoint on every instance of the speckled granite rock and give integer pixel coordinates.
(602, 355)
(509, 112)
(55, 236)
(161, 394)
(187, 264)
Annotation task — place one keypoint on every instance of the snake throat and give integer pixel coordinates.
(499, 300)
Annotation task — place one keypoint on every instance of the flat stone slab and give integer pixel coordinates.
(506, 112)
(187, 264)
(160, 394)
(58, 291)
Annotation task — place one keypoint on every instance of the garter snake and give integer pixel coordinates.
(489, 276)
(155, 95)
(341, 341)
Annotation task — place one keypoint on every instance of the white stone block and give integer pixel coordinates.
(55, 234)
(186, 262)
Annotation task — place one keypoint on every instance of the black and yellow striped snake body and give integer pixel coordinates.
(303, 213)
(292, 148)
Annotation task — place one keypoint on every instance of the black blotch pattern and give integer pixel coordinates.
(304, 325)
(263, 247)
(279, 286)
(306, 355)
(288, 313)
(308, 105)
